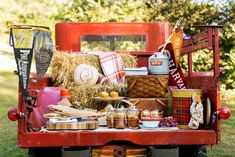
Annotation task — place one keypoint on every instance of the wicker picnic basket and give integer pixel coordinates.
(147, 86)
(160, 104)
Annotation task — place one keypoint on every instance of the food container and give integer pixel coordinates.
(145, 114)
(136, 71)
(132, 117)
(158, 63)
(182, 100)
(110, 118)
(150, 123)
(149, 86)
(156, 114)
(141, 104)
(120, 118)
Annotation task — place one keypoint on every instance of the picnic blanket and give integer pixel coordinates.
(112, 66)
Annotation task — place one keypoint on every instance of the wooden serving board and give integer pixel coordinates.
(83, 125)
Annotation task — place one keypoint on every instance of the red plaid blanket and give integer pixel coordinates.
(112, 66)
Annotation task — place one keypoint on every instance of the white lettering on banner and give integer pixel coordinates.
(171, 63)
(175, 74)
(22, 64)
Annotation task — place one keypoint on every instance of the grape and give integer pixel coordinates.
(168, 122)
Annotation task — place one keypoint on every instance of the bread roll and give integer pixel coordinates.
(104, 94)
(114, 94)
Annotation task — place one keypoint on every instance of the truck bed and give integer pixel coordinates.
(103, 136)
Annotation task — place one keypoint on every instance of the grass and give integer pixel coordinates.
(227, 146)
(8, 129)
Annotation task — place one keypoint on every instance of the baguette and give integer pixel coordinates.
(71, 112)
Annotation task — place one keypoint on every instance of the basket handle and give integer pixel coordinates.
(132, 85)
(162, 81)
(160, 102)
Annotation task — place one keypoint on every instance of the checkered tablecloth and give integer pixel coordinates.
(112, 66)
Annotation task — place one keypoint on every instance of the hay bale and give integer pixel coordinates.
(86, 93)
(64, 64)
(62, 71)
(129, 60)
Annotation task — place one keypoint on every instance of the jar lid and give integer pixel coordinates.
(64, 92)
(133, 108)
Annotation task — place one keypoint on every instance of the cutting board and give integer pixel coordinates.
(83, 125)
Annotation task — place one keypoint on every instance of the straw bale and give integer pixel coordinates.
(62, 71)
(86, 93)
(64, 64)
(128, 60)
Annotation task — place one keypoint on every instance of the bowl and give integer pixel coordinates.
(150, 123)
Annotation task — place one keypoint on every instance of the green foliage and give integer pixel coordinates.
(105, 11)
(26, 12)
(194, 12)
(205, 12)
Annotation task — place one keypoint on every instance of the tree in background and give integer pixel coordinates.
(194, 12)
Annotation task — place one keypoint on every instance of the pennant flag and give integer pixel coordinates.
(177, 42)
(175, 73)
(25, 40)
(22, 42)
(43, 51)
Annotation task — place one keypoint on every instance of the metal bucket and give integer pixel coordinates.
(164, 151)
(76, 152)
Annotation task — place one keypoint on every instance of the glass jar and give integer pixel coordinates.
(156, 114)
(110, 118)
(120, 118)
(132, 117)
(145, 114)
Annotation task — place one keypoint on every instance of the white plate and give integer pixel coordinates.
(144, 127)
(158, 128)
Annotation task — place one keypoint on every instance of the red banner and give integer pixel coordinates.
(175, 72)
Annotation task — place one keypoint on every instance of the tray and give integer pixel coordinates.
(109, 98)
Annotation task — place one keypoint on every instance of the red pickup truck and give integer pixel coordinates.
(69, 37)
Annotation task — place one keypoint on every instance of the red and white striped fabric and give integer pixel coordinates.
(112, 66)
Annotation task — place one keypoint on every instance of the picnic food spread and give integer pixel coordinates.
(140, 101)
(107, 89)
